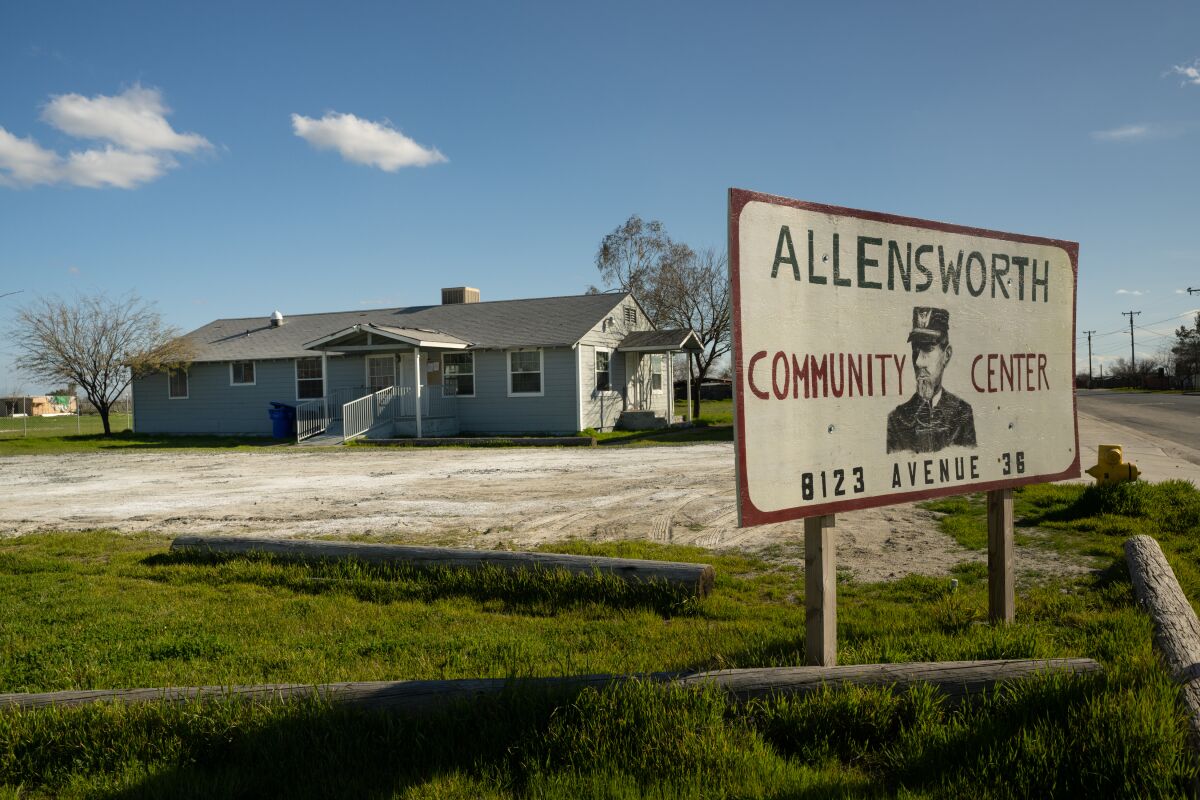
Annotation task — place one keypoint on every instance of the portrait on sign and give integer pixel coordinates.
(933, 418)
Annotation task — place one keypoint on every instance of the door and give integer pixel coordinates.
(633, 388)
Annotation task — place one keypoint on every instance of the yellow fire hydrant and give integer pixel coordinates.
(1111, 467)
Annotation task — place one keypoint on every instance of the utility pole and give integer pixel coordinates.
(1089, 335)
(1193, 291)
(1132, 363)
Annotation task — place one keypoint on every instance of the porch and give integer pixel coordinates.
(397, 398)
(648, 368)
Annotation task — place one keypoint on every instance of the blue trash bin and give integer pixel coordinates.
(283, 420)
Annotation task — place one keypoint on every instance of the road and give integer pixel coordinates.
(1173, 417)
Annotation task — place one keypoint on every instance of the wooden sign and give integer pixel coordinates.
(881, 359)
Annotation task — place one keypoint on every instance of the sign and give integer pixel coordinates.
(882, 359)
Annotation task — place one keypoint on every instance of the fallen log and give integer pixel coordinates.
(1176, 629)
(698, 578)
(955, 680)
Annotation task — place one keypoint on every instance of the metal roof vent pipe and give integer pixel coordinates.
(276, 319)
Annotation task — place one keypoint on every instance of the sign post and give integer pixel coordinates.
(881, 359)
(820, 592)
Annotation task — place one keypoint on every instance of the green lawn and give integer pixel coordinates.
(38, 445)
(100, 610)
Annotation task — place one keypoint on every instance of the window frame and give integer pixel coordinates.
(296, 363)
(596, 390)
(187, 384)
(445, 374)
(508, 354)
(253, 371)
(662, 373)
(631, 316)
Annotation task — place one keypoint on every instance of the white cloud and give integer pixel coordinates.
(1126, 133)
(1134, 292)
(139, 147)
(364, 142)
(112, 167)
(1190, 73)
(24, 162)
(133, 120)
(1181, 291)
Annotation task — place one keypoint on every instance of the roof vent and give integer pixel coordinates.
(456, 295)
(276, 319)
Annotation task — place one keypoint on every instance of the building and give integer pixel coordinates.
(551, 365)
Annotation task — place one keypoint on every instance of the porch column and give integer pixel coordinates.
(325, 385)
(417, 387)
(689, 386)
(670, 357)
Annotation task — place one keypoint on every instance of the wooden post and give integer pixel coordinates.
(820, 592)
(417, 387)
(1001, 574)
(689, 387)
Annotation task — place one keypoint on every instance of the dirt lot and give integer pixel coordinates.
(484, 498)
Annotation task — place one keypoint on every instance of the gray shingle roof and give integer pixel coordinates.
(500, 324)
(681, 339)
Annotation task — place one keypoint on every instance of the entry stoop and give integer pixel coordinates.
(640, 421)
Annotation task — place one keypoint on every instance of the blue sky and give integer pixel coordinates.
(228, 159)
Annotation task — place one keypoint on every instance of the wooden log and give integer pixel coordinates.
(698, 578)
(1176, 629)
(956, 680)
(486, 441)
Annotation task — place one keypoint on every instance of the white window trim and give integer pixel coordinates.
(662, 360)
(243, 361)
(189, 385)
(541, 371)
(296, 375)
(612, 387)
(474, 382)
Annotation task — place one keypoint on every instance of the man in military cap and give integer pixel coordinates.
(932, 419)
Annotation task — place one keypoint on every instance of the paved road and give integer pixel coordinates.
(1173, 417)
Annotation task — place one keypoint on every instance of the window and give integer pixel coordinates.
(603, 375)
(177, 384)
(656, 373)
(630, 315)
(241, 373)
(310, 381)
(381, 372)
(525, 372)
(458, 374)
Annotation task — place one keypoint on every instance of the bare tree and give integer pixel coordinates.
(678, 287)
(97, 343)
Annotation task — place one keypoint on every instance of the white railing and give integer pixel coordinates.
(312, 417)
(361, 415)
(432, 402)
(340, 397)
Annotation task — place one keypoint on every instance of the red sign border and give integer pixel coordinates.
(748, 514)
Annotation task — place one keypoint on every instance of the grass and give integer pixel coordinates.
(101, 610)
(21, 427)
(40, 445)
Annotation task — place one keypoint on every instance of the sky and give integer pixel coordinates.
(231, 159)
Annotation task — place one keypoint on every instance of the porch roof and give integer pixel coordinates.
(341, 340)
(660, 341)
